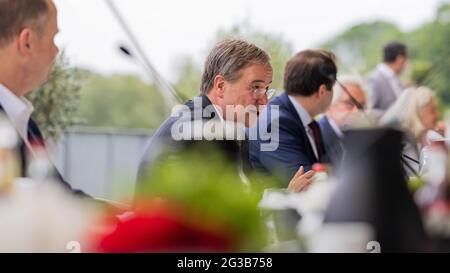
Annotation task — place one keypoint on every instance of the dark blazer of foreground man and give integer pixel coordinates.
(237, 74)
(27, 54)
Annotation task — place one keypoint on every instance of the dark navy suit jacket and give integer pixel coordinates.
(294, 149)
(35, 135)
(333, 143)
(162, 142)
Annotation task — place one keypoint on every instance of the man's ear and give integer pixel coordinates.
(400, 58)
(24, 41)
(219, 85)
(322, 90)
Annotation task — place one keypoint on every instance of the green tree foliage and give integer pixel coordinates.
(56, 103)
(188, 77)
(125, 101)
(430, 48)
(185, 179)
(360, 47)
(121, 101)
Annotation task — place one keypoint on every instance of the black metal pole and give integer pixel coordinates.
(167, 91)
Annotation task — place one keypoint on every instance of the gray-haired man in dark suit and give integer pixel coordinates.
(339, 115)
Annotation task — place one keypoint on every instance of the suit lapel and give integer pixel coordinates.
(205, 103)
(333, 142)
(291, 109)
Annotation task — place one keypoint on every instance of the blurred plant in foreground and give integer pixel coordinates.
(43, 217)
(192, 201)
(56, 103)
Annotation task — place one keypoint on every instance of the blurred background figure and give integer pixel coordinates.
(416, 112)
(340, 115)
(384, 80)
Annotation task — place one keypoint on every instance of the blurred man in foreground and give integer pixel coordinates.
(27, 54)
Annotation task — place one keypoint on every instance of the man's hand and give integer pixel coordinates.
(301, 180)
(441, 127)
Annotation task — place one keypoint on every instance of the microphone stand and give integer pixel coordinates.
(170, 95)
(180, 98)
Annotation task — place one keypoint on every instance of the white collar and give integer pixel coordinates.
(306, 119)
(233, 124)
(18, 110)
(12, 104)
(303, 114)
(219, 113)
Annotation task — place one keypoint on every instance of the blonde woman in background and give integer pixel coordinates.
(416, 112)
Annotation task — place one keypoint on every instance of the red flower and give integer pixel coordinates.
(163, 230)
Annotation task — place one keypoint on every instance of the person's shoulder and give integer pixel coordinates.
(282, 104)
(279, 100)
(375, 81)
(432, 135)
(373, 74)
(325, 126)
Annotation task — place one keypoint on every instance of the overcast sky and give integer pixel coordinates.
(169, 29)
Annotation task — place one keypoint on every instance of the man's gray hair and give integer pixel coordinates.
(346, 81)
(228, 58)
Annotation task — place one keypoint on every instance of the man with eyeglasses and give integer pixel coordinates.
(234, 85)
(308, 82)
(341, 113)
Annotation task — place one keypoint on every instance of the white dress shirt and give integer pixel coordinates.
(219, 113)
(394, 82)
(18, 110)
(306, 120)
(240, 163)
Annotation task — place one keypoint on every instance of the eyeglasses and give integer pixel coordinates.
(261, 92)
(353, 100)
(332, 77)
(349, 104)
